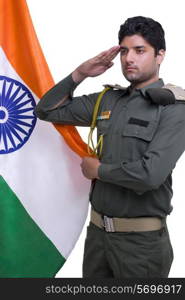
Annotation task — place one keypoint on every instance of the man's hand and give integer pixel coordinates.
(96, 65)
(89, 167)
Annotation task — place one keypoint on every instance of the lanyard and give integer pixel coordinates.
(96, 150)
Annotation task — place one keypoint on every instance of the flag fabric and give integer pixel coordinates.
(43, 196)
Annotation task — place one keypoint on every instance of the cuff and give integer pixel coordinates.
(105, 171)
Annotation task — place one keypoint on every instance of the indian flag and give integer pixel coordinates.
(43, 196)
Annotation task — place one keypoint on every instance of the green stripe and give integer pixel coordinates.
(25, 251)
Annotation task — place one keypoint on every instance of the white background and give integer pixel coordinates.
(71, 31)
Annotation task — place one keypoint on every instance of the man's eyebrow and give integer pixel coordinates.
(122, 47)
(136, 47)
(139, 47)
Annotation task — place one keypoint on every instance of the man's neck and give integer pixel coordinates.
(140, 85)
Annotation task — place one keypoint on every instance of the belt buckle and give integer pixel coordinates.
(108, 224)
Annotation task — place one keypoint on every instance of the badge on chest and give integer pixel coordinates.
(105, 115)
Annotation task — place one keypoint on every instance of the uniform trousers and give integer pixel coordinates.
(145, 254)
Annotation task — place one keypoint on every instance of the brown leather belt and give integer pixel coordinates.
(126, 224)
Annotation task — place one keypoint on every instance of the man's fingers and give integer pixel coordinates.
(111, 64)
(106, 57)
(112, 52)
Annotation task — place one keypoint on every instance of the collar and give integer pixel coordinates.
(123, 89)
(157, 84)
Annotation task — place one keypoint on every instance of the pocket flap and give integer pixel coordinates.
(139, 131)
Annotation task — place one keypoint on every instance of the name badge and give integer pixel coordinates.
(105, 115)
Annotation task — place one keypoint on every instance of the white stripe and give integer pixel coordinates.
(45, 174)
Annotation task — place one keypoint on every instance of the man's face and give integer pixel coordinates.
(140, 65)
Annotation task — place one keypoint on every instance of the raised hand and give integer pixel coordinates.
(96, 65)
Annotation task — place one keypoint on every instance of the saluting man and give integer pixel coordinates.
(141, 135)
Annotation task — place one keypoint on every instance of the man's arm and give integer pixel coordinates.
(156, 164)
(158, 161)
(59, 106)
(56, 105)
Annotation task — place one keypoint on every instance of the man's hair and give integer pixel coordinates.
(148, 28)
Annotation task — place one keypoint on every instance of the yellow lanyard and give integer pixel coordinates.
(90, 144)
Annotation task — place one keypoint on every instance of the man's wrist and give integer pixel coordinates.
(78, 76)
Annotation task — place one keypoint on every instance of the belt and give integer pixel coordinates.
(126, 224)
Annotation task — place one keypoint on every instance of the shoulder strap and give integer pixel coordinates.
(178, 92)
(168, 94)
(115, 86)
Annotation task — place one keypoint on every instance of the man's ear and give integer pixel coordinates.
(160, 56)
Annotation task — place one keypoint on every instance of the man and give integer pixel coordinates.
(142, 140)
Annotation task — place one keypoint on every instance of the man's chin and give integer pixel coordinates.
(131, 79)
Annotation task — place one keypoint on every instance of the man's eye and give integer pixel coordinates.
(140, 51)
(123, 51)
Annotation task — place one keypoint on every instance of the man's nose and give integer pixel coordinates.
(129, 57)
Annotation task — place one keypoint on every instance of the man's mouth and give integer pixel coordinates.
(129, 68)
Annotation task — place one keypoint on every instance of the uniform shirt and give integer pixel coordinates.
(142, 143)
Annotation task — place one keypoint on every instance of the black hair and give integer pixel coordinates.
(148, 28)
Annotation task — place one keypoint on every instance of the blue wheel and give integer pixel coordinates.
(17, 118)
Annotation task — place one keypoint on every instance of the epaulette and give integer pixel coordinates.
(178, 91)
(168, 94)
(115, 86)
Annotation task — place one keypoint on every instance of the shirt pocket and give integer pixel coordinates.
(135, 140)
(103, 127)
(142, 132)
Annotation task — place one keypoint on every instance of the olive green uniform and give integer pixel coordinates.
(142, 143)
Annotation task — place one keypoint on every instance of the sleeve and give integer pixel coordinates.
(158, 161)
(59, 106)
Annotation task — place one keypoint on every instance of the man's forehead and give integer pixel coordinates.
(134, 41)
